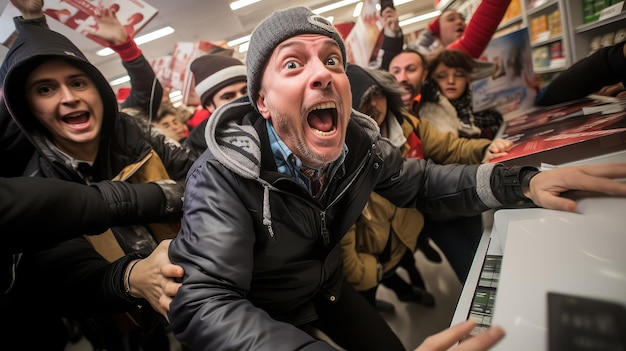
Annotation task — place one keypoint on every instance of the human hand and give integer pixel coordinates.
(499, 147)
(390, 19)
(445, 339)
(612, 90)
(546, 187)
(108, 28)
(155, 279)
(29, 8)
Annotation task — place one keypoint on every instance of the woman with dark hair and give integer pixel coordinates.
(447, 98)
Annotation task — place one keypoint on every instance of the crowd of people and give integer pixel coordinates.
(308, 184)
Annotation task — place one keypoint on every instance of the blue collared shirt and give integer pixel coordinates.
(289, 164)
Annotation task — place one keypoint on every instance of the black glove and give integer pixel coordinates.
(142, 203)
(174, 195)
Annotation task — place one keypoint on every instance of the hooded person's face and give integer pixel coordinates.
(67, 103)
(375, 105)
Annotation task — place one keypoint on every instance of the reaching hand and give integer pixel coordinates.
(390, 19)
(29, 8)
(546, 187)
(612, 90)
(155, 279)
(499, 147)
(444, 340)
(109, 28)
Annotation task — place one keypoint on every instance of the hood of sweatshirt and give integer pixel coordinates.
(34, 46)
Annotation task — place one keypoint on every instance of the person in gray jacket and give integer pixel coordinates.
(286, 173)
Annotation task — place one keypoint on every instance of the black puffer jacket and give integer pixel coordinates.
(257, 247)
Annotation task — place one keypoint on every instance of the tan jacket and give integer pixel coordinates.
(366, 240)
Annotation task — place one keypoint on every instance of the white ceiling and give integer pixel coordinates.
(210, 20)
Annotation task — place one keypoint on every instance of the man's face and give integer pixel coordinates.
(227, 94)
(172, 127)
(68, 104)
(408, 69)
(451, 27)
(305, 94)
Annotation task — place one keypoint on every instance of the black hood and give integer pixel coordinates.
(33, 46)
(362, 80)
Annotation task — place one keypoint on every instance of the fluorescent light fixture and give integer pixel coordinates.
(334, 6)
(236, 5)
(119, 81)
(357, 9)
(239, 41)
(176, 98)
(142, 39)
(175, 94)
(244, 47)
(419, 18)
(243, 42)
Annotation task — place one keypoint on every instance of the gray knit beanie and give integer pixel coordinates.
(278, 27)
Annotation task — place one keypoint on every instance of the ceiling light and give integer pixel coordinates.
(244, 47)
(357, 9)
(419, 18)
(239, 41)
(236, 5)
(119, 81)
(334, 6)
(176, 98)
(142, 39)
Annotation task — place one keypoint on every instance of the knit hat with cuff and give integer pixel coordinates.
(213, 72)
(278, 27)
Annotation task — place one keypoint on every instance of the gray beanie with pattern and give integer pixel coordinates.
(278, 27)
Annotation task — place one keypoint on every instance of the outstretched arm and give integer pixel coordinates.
(30, 9)
(146, 91)
(481, 27)
(606, 66)
(86, 209)
(546, 187)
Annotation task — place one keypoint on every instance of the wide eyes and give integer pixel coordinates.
(292, 65)
(331, 61)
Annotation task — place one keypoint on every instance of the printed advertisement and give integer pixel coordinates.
(579, 129)
(79, 16)
(364, 36)
(511, 85)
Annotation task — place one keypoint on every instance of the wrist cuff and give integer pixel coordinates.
(509, 182)
(128, 51)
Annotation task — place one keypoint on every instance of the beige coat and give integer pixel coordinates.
(366, 240)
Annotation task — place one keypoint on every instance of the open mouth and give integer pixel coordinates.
(76, 118)
(323, 119)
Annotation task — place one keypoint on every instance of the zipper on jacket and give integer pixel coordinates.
(325, 234)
